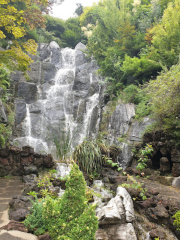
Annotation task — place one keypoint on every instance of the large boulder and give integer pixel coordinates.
(115, 218)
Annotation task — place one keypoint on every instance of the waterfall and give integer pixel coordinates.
(67, 102)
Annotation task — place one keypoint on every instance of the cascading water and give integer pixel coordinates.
(68, 102)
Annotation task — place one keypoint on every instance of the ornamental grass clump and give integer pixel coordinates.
(88, 156)
(71, 217)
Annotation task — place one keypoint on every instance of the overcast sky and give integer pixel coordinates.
(68, 7)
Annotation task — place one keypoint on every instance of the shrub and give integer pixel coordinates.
(71, 217)
(35, 221)
(143, 157)
(177, 220)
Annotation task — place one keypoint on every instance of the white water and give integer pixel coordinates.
(57, 109)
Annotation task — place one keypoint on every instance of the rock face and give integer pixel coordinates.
(116, 218)
(63, 94)
(124, 131)
(3, 117)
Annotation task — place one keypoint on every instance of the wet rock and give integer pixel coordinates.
(176, 169)
(29, 178)
(31, 170)
(138, 128)
(27, 91)
(19, 207)
(157, 234)
(15, 225)
(120, 119)
(48, 161)
(44, 237)
(101, 234)
(176, 183)
(118, 210)
(164, 165)
(3, 117)
(20, 110)
(175, 156)
(167, 181)
(4, 152)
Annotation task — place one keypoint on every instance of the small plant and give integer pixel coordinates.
(45, 181)
(32, 193)
(112, 164)
(136, 185)
(177, 220)
(62, 140)
(35, 221)
(144, 153)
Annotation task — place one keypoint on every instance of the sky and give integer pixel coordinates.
(68, 7)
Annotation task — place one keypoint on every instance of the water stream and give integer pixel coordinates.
(61, 108)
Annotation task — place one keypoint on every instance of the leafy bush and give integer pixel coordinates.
(4, 78)
(177, 220)
(143, 157)
(71, 217)
(164, 98)
(142, 69)
(137, 95)
(35, 221)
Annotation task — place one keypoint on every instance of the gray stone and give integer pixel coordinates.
(3, 117)
(35, 108)
(55, 53)
(125, 157)
(80, 46)
(17, 76)
(35, 72)
(44, 52)
(121, 119)
(118, 210)
(176, 183)
(125, 232)
(80, 57)
(31, 170)
(48, 72)
(138, 128)
(82, 81)
(20, 110)
(27, 91)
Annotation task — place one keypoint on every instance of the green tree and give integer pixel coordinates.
(164, 97)
(166, 37)
(71, 217)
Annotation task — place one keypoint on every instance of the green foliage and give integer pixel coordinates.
(141, 69)
(35, 221)
(165, 36)
(112, 164)
(136, 185)
(55, 25)
(73, 33)
(164, 98)
(88, 156)
(177, 220)
(62, 140)
(45, 181)
(6, 129)
(71, 217)
(143, 157)
(4, 78)
(138, 96)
